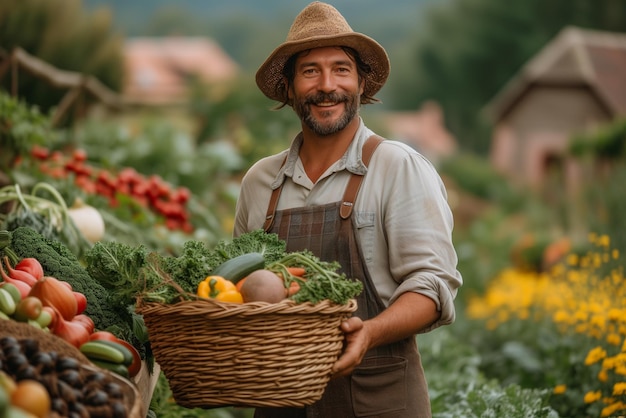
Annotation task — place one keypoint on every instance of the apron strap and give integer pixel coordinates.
(271, 209)
(349, 195)
(354, 184)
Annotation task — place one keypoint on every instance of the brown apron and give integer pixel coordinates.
(390, 381)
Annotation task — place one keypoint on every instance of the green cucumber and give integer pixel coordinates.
(7, 304)
(239, 267)
(106, 351)
(13, 290)
(119, 369)
(128, 356)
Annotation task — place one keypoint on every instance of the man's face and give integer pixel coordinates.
(326, 90)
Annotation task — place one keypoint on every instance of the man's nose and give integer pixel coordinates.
(327, 82)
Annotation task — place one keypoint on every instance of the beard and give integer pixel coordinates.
(319, 127)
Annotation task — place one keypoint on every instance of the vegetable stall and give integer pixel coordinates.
(136, 312)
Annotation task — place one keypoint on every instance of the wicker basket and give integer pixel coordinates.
(254, 354)
(50, 342)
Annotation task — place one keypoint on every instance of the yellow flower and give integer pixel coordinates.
(591, 397)
(560, 389)
(614, 314)
(610, 410)
(603, 376)
(619, 389)
(595, 355)
(609, 363)
(613, 339)
(604, 241)
(561, 317)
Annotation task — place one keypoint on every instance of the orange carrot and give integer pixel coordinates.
(239, 284)
(294, 287)
(296, 271)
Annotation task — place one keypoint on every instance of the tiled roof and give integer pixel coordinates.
(158, 69)
(575, 56)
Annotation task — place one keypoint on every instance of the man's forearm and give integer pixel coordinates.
(408, 315)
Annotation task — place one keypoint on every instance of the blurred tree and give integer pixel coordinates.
(244, 117)
(60, 33)
(172, 19)
(467, 50)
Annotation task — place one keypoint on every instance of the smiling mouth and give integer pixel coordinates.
(326, 104)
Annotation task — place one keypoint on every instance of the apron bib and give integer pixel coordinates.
(390, 381)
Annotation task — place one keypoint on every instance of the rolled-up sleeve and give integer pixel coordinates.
(416, 233)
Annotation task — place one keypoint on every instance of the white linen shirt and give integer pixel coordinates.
(403, 220)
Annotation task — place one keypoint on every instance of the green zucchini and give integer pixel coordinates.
(117, 368)
(237, 268)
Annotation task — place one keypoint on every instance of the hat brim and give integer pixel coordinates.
(270, 73)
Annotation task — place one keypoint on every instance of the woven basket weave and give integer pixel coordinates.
(254, 354)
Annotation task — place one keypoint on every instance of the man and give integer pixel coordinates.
(379, 209)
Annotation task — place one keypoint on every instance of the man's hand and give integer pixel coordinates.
(410, 313)
(356, 344)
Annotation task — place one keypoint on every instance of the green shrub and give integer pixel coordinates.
(475, 175)
(458, 389)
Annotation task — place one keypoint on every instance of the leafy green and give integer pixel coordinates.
(323, 281)
(258, 241)
(196, 260)
(117, 267)
(130, 272)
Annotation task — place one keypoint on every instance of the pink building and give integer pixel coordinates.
(158, 70)
(575, 83)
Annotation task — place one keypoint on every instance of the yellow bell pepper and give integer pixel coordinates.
(219, 288)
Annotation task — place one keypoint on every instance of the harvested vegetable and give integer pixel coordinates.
(45, 211)
(134, 272)
(323, 281)
(117, 267)
(30, 265)
(218, 288)
(131, 271)
(24, 288)
(88, 220)
(263, 286)
(51, 292)
(16, 274)
(59, 262)
(269, 245)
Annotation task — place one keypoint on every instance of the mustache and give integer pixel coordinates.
(325, 97)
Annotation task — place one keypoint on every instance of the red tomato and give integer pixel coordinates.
(81, 302)
(103, 335)
(85, 321)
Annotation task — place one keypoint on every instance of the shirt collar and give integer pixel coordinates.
(350, 161)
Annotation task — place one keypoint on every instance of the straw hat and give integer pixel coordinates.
(321, 25)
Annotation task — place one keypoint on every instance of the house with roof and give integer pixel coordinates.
(576, 83)
(158, 70)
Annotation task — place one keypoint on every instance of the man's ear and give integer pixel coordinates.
(289, 91)
(362, 86)
(286, 88)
